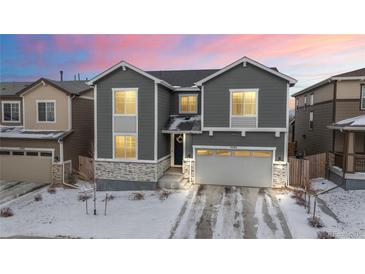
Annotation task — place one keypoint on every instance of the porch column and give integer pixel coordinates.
(350, 152)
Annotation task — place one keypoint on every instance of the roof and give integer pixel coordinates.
(358, 74)
(243, 61)
(182, 78)
(11, 88)
(353, 123)
(183, 124)
(21, 133)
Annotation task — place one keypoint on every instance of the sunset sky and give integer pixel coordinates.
(308, 58)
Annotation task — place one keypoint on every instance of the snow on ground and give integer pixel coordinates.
(62, 214)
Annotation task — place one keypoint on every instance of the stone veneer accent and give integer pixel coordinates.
(131, 171)
(186, 168)
(280, 174)
(57, 170)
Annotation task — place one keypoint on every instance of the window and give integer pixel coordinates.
(297, 103)
(46, 154)
(261, 154)
(311, 120)
(305, 100)
(46, 111)
(204, 152)
(311, 99)
(362, 104)
(241, 153)
(125, 147)
(11, 111)
(188, 103)
(125, 102)
(32, 153)
(244, 103)
(223, 153)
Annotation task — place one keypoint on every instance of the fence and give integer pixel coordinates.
(292, 148)
(317, 165)
(86, 167)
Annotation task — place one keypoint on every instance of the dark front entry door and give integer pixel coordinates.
(178, 149)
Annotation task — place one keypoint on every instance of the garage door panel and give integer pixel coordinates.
(241, 170)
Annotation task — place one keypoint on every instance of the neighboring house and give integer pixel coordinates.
(226, 126)
(45, 126)
(322, 109)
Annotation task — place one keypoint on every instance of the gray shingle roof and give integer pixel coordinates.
(354, 73)
(73, 86)
(11, 88)
(183, 123)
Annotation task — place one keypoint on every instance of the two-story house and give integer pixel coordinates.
(322, 110)
(229, 125)
(45, 126)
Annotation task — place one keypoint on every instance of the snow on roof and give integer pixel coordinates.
(21, 133)
(354, 121)
(183, 123)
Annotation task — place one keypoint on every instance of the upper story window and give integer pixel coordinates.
(46, 111)
(362, 104)
(297, 103)
(311, 120)
(125, 102)
(305, 100)
(188, 103)
(11, 111)
(311, 99)
(244, 103)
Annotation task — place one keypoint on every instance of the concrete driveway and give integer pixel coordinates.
(12, 190)
(231, 212)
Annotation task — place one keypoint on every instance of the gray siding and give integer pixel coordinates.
(348, 108)
(127, 79)
(272, 96)
(319, 139)
(261, 139)
(164, 103)
(175, 101)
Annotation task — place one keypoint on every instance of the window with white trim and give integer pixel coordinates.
(362, 103)
(125, 147)
(188, 103)
(125, 102)
(305, 100)
(11, 112)
(311, 120)
(46, 111)
(311, 99)
(244, 103)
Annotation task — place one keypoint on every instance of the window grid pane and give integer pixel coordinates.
(42, 112)
(125, 147)
(244, 103)
(119, 147)
(125, 102)
(7, 112)
(50, 111)
(14, 112)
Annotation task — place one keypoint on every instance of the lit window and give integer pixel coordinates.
(11, 112)
(204, 152)
(46, 111)
(244, 103)
(125, 102)
(125, 147)
(188, 103)
(363, 97)
(222, 153)
(241, 153)
(261, 154)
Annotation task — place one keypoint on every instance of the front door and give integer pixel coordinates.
(178, 149)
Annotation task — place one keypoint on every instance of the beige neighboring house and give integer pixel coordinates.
(45, 126)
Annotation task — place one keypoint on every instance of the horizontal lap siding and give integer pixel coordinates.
(125, 79)
(348, 109)
(164, 101)
(272, 96)
(252, 139)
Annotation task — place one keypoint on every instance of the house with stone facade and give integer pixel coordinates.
(45, 126)
(224, 126)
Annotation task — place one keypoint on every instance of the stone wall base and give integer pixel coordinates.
(57, 174)
(280, 174)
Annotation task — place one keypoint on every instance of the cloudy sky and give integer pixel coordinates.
(308, 58)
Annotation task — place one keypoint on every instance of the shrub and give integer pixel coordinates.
(315, 222)
(325, 235)
(6, 212)
(164, 194)
(51, 190)
(38, 197)
(136, 196)
(110, 197)
(298, 195)
(83, 197)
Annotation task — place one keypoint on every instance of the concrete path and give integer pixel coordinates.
(12, 190)
(231, 212)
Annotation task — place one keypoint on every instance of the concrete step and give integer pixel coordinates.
(173, 181)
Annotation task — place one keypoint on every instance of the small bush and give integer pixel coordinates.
(298, 195)
(136, 196)
(83, 197)
(164, 194)
(110, 197)
(6, 212)
(51, 190)
(325, 235)
(315, 222)
(38, 197)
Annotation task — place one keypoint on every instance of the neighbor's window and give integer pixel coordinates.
(311, 99)
(46, 111)
(244, 103)
(297, 103)
(11, 112)
(305, 100)
(188, 104)
(311, 120)
(363, 97)
(125, 147)
(125, 102)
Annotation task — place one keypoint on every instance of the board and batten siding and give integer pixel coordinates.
(164, 103)
(146, 95)
(175, 101)
(272, 95)
(252, 139)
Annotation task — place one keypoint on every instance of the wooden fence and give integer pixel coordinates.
(85, 167)
(317, 165)
(292, 148)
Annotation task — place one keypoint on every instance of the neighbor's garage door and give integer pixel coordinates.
(34, 166)
(234, 167)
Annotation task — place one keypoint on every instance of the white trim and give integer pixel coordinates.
(2, 112)
(124, 64)
(23, 109)
(250, 129)
(360, 78)
(69, 113)
(95, 122)
(189, 94)
(184, 140)
(362, 93)
(30, 89)
(52, 150)
(181, 132)
(231, 91)
(245, 59)
(202, 107)
(54, 111)
(286, 135)
(311, 99)
(155, 143)
(194, 88)
(61, 151)
(86, 97)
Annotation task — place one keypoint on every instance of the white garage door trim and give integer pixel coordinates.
(272, 149)
(52, 150)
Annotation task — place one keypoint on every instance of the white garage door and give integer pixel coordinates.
(234, 167)
(34, 166)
